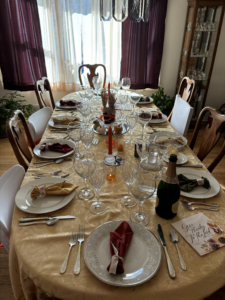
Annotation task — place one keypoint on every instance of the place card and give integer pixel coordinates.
(201, 233)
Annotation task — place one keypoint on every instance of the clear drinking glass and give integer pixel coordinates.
(89, 94)
(74, 132)
(132, 120)
(134, 98)
(87, 137)
(144, 117)
(117, 83)
(97, 82)
(85, 110)
(84, 167)
(129, 173)
(142, 189)
(97, 180)
(126, 83)
(83, 91)
(123, 99)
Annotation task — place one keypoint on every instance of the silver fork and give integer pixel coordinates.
(72, 242)
(80, 235)
(52, 173)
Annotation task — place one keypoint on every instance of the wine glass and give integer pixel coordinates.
(83, 91)
(144, 117)
(132, 120)
(97, 82)
(126, 83)
(97, 180)
(75, 133)
(84, 167)
(89, 94)
(117, 83)
(129, 173)
(142, 189)
(85, 110)
(134, 98)
(87, 137)
(123, 99)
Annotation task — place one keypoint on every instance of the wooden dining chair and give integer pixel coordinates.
(92, 69)
(43, 90)
(17, 138)
(211, 135)
(186, 91)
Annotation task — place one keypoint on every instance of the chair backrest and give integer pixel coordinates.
(17, 138)
(92, 69)
(181, 117)
(10, 183)
(186, 91)
(43, 90)
(38, 122)
(211, 135)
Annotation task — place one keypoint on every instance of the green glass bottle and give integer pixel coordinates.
(168, 192)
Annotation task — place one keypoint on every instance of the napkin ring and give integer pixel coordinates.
(42, 190)
(200, 181)
(44, 147)
(114, 261)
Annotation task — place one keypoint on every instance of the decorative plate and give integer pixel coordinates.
(52, 154)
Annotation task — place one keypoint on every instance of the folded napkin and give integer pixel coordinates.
(69, 102)
(187, 185)
(56, 147)
(144, 115)
(157, 114)
(65, 121)
(120, 240)
(60, 188)
(145, 99)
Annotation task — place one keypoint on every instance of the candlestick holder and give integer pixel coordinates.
(110, 158)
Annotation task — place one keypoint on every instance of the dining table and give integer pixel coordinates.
(38, 251)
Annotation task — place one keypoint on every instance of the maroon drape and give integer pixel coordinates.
(21, 52)
(142, 47)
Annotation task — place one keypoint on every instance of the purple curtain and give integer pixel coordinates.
(142, 47)
(22, 59)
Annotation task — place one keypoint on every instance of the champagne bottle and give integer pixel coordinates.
(168, 192)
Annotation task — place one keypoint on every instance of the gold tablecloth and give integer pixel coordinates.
(37, 252)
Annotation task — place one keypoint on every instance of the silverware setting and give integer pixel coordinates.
(174, 239)
(51, 173)
(24, 220)
(58, 161)
(72, 242)
(194, 208)
(199, 203)
(49, 222)
(80, 236)
(39, 177)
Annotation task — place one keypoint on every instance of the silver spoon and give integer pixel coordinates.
(174, 239)
(49, 222)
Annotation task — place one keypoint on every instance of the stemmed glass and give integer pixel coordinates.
(129, 173)
(142, 189)
(117, 83)
(84, 167)
(97, 82)
(144, 117)
(75, 133)
(83, 91)
(87, 137)
(126, 83)
(89, 94)
(85, 110)
(132, 120)
(123, 99)
(134, 98)
(97, 180)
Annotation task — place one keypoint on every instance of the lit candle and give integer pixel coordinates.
(110, 140)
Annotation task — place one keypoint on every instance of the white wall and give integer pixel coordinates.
(175, 23)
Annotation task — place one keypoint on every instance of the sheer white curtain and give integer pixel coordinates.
(72, 35)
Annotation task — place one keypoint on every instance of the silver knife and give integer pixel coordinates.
(169, 264)
(47, 161)
(23, 220)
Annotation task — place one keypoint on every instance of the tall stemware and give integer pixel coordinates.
(84, 167)
(123, 100)
(135, 98)
(90, 94)
(75, 133)
(85, 110)
(97, 180)
(129, 173)
(87, 137)
(144, 117)
(142, 189)
(97, 82)
(117, 83)
(83, 91)
(126, 83)
(132, 120)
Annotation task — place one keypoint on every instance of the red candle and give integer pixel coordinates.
(110, 140)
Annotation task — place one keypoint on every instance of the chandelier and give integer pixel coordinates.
(136, 10)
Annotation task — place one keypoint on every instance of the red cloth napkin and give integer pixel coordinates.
(69, 102)
(56, 147)
(121, 239)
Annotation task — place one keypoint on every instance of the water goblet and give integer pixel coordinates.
(85, 110)
(123, 99)
(126, 83)
(144, 117)
(129, 173)
(97, 82)
(117, 83)
(83, 91)
(89, 94)
(97, 180)
(142, 189)
(84, 167)
(132, 120)
(74, 132)
(135, 98)
(87, 137)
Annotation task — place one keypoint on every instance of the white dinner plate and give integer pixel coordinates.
(52, 124)
(166, 134)
(157, 121)
(66, 107)
(141, 262)
(181, 159)
(199, 192)
(41, 204)
(52, 154)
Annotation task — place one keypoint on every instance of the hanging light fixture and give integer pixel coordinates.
(136, 10)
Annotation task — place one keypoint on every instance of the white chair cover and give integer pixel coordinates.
(181, 117)
(9, 185)
(38, 122)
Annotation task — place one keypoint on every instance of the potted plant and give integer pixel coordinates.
(163, 101)
(9, 103)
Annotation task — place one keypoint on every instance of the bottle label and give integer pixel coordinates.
(157, 201)
(170, 180)
(175, 207)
